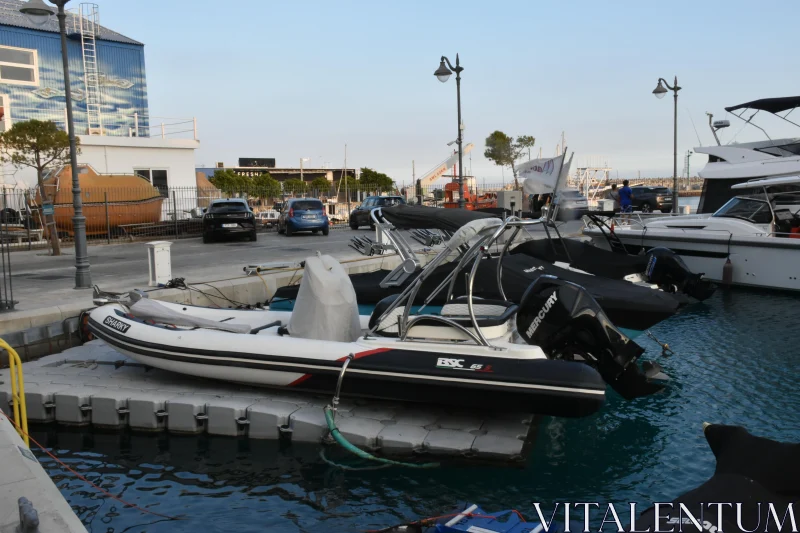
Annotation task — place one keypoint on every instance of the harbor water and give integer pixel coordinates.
(735, 362)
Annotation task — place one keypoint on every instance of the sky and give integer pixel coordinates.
(301, 79)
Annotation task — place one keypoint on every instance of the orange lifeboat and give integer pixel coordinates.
(131, 200)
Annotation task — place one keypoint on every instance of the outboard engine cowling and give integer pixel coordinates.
(667, 270)
(565, 321)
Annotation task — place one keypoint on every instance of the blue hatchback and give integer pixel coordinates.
(303, 214)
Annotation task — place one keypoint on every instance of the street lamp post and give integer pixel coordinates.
(39, 13)
(660, 91)
(443, 74)
(303, 160)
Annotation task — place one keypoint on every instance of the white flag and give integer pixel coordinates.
(541, 175)
(562, 179)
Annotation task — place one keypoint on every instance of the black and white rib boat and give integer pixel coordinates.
(551, 354)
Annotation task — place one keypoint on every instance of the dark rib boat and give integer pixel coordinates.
(631, 307)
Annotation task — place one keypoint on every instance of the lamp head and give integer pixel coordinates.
(37, 11)
(660, 90)
(443, 73)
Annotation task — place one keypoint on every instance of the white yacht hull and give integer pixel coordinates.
(772, 263)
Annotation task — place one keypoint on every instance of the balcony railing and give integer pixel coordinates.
(136, 125)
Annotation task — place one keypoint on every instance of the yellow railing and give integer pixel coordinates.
(17, 391)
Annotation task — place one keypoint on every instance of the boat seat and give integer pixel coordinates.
(493, 317)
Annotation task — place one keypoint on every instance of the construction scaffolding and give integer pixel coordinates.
(592, 178)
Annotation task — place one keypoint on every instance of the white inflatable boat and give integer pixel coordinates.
(471, 355)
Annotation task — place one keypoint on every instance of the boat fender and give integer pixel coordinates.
(727, 273)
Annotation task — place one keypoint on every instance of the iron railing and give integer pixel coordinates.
(117, 214)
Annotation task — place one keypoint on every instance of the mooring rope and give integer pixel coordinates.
(76, 474)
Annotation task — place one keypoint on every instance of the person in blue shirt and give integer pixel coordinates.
(625, 198)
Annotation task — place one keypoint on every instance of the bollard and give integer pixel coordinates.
(28, 516)
(159, 263)
(686, 209)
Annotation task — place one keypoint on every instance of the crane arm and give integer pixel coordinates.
(436, 172)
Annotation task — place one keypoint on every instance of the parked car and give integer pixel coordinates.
(303, 214)
(648, 199)
(572, 205)
(229, 217)
(267, 218)
(360, 215)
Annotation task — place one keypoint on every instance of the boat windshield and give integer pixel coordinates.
(750, 209)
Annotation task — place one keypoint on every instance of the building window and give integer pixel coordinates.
(157, 177)
(19, 66)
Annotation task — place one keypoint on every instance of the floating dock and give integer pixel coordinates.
(94, 385)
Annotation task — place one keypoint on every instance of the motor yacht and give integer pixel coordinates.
(752, 240)
(736, 163)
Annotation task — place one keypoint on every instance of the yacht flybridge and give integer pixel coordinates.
(754, 237)
(737, 163)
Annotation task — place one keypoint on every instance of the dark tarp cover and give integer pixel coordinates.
(584, 256)
(750, 470)
(627, 305)
(423, 217)
(771, 105)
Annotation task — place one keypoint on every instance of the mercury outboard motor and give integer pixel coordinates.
(567, 323)
(667, 270)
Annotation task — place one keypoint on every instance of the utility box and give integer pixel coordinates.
(606, 204)
(505, 198)
(159, 262)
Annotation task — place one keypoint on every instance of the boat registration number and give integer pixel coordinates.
(229, 225)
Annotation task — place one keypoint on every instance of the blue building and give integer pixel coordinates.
(107, 74)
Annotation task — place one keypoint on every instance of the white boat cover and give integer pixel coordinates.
(326, 307)
(469, 230)
(148, 309)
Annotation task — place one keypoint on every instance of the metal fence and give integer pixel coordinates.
(118, 214)
(6, 289)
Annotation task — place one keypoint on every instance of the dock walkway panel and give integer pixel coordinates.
(94, 385)
(21, 475)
